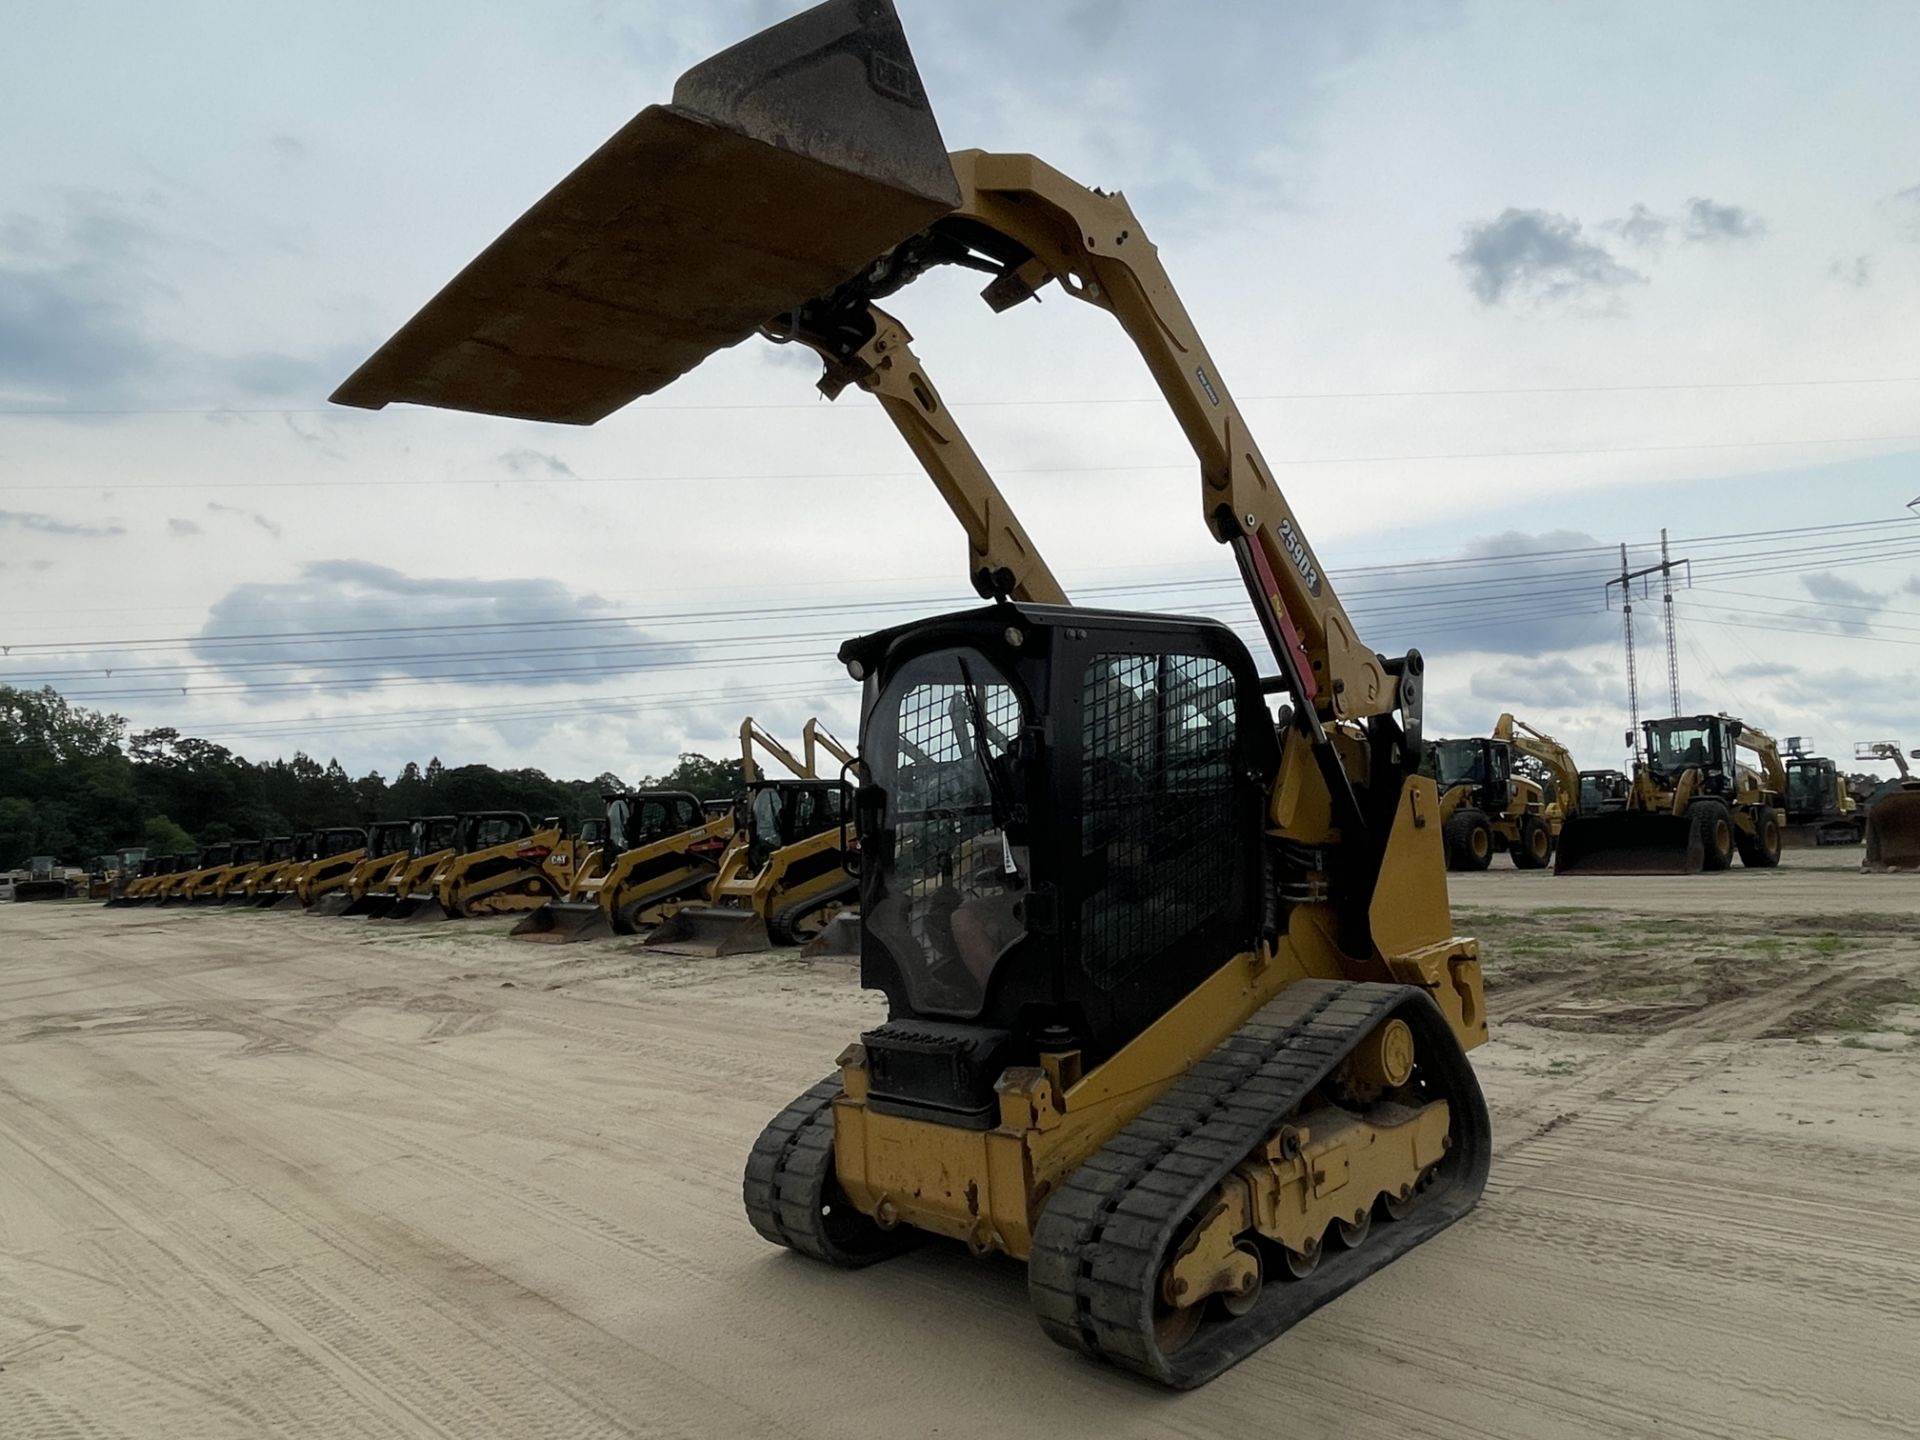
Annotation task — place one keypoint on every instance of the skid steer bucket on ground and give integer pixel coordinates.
(1893, 832)
(288, 901)
(338, 902)
(783, 167)
(709, 931)
(419, 908)
(561, 922)
(1630, 842)
(839, 936)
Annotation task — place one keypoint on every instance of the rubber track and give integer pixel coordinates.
(1101, 1241)
(789, 1193)
(781, 925)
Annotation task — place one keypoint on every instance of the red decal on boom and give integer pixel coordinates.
(1268, 583)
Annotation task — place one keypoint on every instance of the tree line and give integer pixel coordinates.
(74, 784)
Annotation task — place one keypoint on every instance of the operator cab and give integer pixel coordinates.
(640, 817)
(1693, 742)
(1485, 765)
(1812, 785)
(1061, 833)
(779, 813)
(433, 833)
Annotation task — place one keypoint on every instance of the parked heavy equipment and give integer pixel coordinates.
(277, 852)
(430, 842)
(659, 846)
(1174, 999)
(45, 879)
(144, 888)
(507, 865)
(212, 885)
(1602, 791)
(783, 876)
(1893, 820)
(1509, 792)
(173, 890)
(1820, 809)
(330, 858)
(1693, 805)
(387, 842)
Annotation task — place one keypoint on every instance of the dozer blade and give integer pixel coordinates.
(1893, 832)
(709, 931)
(561, 922)
(1630, 842)
(840, 936)
(784, 166)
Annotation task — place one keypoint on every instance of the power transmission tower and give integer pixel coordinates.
(1625, 580)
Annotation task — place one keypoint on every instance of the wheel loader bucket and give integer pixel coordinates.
(1630, 842)
(840, 936)
(709, 931)
(784, 166)
(561, 922)
(1893, 832)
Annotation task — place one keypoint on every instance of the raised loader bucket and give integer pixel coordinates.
(840, 936)
(1629, 842)
(784, 166)
(709, 931)
(561, 922)
(1893, 832)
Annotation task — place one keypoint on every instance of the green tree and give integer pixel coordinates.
(162, 837)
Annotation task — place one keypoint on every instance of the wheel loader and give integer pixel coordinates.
(660, 846)
(1820, 809)
(1692, 805)
(386, 847)
(782, 878)
(430, 843)
(1176, 1012)
(1893, 820)
(1511, 791)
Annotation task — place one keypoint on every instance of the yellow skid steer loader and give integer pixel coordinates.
(432, 841)
(660, 846)
(327, 858)
(506, 866)
(386, 847)
(783, 876)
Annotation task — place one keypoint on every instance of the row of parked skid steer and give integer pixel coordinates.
(693, 876)
(1692, 804)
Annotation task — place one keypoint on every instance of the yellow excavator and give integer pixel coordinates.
(783, 875)
(1893, 819)
(1692, 806)
(660, 846)
(1176, 1012)
(1820, 809)
(387, 842)
(1511, 791)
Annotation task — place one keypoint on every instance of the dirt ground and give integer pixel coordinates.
(265, 1174)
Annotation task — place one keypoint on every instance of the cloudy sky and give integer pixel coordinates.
(1501, 286)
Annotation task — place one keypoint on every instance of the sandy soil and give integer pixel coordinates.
(265, 1174)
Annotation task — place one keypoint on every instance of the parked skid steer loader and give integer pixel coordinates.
(144, 889)
(336, 853)
(386, 847)
(1693, 805)
(505, 865)
(1156, 971)
(212, 885)
(1511, 792)
(430, 843)
(1893, 820)
(783, 876)
(660, 846)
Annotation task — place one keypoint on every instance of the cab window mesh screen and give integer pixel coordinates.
(1157, 747)
(943, 806)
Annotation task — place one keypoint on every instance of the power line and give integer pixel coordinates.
(1116, 469)
(1455, 392)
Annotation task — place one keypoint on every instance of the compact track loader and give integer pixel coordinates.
(132, 866)
(144, 888)
(1176, 1011)
(1820, 809)
(1511, 792)
(331, 856)
(211, 887)
(783, 876)
(430, 843)
(660, 847)
(505, 865)
(386, 846)
(205, 862)
(1693, 805)
(278, 855)
(1893, 820)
